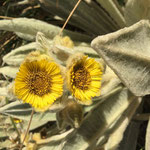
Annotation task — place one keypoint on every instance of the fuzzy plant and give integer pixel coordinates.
(82, 89)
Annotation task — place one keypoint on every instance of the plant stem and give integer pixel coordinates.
(27, 131)
(12, 120)
(69, 16)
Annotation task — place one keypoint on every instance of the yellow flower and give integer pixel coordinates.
(84, 78)
(39, 83)
(17, 120)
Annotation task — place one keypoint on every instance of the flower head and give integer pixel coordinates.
(64, 41)
(39, 83)
(84, 78)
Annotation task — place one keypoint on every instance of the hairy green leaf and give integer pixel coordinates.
(129, 141)
(23, 111)
(16, 56)
(136, 10)
(82, 17)
(127, 52)
(9, 71)
(32, 26)
(120, 126)
(113, 11)
(99, 120)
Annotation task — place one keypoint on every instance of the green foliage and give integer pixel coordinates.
(126, 57)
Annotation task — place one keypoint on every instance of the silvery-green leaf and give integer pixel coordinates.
(55, 142)
(16, 56)
(120, 126)
(103, 14)
(22, 111)
(64, 8)
(136, 10)
(98, 27)
(25, 36)
(83, 16)
(113, 11)
(127, 53)
(9, 71)
(86, 49)
(102, 98)
(147, 144)
(109, 81)
(99, 120)
(129, 141)
(32, 26)
(113, 135)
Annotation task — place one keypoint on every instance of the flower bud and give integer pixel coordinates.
(71, 115)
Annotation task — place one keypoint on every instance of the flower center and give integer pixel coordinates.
(81, 78)
(39, 83)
